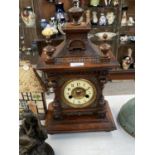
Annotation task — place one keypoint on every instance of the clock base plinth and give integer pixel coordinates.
(83, 123)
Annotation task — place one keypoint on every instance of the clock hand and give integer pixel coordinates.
(88, 88)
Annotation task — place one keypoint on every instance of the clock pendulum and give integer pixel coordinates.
(78, 71)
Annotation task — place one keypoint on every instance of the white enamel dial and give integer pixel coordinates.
(79, 93)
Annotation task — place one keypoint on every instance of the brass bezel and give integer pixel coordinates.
(81, 105)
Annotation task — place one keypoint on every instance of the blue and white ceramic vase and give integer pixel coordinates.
(60, 12)
(43, 23)
(102, 20)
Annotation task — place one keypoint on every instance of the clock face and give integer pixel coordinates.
(78, 93)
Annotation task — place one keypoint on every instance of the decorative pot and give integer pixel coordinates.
(105, 49)
(60, 12)
(124, 19)
(110, 17)
(94, 2)
(127, 61)
(52, 22)
(123, 39)
(105, 35)
(43, 23)
(88, 18)
(131, 39)
(131, 21)
(76, 13)
(28, 16)
(106, 2)
(115, 2)
(102, 20)
(94, 18)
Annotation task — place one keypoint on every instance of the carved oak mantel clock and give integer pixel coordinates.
(78, 70)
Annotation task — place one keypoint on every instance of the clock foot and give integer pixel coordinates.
(82, 123)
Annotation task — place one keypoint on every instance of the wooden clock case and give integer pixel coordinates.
(62, 118)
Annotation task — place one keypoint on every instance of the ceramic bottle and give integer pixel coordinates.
(127, 61)
(102, 20)
(94, 2)
(28, 16)
(124, 19)
(88, 18)
(110, 18)
(106, 2)
(94, 18)
(131, 21)
(115, 2)
(52, 21)
(76, 13)
(43, 23)
(60, 12)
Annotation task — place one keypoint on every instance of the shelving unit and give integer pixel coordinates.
(122, 48)
(44, 9)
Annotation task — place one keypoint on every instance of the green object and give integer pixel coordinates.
(94, 2)
(126, 117)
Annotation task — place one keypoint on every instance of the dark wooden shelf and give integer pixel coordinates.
(122, 74)
(103, 27)
(104, 6)
(130, 30)
(128, 44)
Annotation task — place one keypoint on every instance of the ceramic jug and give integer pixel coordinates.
(127, 61)
(123, 39)
(131, 21)
(115, 2)
(60, 12)
(52, 22)
(76, 13)
(43, 23)
(106, 2)
(88, 18)
(110, 17)
(94, 18)
(94, 2)
(102, 20)
(28, 16)
(124, 19)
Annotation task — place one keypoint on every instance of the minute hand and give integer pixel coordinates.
(87, 88)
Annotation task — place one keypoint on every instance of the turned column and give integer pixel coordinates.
(57, 111)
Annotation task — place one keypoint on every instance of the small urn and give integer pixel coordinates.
(127, 61)
(102, 20)
(94, 18)
(110, 18)
(28, 16)
(105, 49)
(124, 19)
(76, 13)
(48, 50)
(94, 2)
